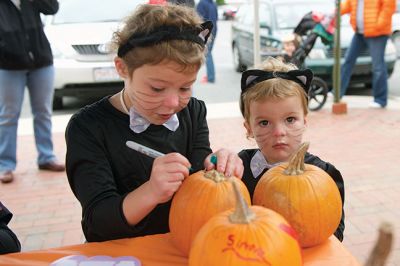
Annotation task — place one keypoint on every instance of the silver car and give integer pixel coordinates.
(79, 35)
(279, 18)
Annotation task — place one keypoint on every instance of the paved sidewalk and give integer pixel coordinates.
(363, 144)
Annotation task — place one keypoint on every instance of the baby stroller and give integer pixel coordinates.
(311, 26)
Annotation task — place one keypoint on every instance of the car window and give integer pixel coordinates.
(265, 15)
(287, 17)
(81, 11)
(245, 15)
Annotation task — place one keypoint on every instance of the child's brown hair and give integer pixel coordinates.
(148, 18)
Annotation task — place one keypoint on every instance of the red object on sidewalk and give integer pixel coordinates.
(157, 2)
(204, 79)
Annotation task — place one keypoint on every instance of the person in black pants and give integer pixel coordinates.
(8, 240)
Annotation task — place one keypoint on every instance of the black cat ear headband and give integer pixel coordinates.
(254, 76)
(167, 33)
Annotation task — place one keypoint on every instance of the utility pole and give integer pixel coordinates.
(256, 36)
(337, 107)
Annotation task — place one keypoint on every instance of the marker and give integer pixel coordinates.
(143, 149)
(146, 150)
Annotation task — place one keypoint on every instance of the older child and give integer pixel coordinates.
(125, 193)
(274, 105)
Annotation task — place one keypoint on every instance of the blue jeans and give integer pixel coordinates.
(210, 63)
(376, 46)
(12, 87)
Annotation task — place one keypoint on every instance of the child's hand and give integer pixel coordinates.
(167, 175)
(228, 163)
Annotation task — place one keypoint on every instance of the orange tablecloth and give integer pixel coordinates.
(159, 250)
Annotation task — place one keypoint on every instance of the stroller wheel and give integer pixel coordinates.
(317, 94)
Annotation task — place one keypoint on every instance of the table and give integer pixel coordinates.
(159, 250)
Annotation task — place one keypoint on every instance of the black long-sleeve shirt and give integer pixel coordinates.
(8, 240)
(102, 170)
(251, 181)
(23, 43)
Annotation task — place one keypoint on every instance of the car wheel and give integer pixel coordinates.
(237, 60)
(57, 103)
(317, 94)
(396, 41)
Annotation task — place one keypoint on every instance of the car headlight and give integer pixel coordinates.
(317, 53)
(390, 48)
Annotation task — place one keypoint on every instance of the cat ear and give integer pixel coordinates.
(249, 76)
(205, 33)
(304, 76)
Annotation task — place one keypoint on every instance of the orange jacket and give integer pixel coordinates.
(377, 15)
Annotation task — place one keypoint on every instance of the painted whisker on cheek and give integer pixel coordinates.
(148, 98)
(183, 102)
(150, 105)
(296, 132)
(261, 136)
(184, 98)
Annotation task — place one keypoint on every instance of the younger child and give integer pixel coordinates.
(290, 44)
(274, 105)
(123, 192)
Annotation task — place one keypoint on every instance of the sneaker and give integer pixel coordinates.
(6, 177)
(376, 105)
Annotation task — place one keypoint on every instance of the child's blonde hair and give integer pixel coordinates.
(145, 19)
(275, 88)
(292, 38)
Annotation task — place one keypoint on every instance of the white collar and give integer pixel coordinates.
(258, 163)
(138, 123)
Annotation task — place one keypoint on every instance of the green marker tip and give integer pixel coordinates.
(213, 159)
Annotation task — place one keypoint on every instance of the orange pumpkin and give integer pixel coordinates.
(305, 195)
(202, 195)
(246, 236)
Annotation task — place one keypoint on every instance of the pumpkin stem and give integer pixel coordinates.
(296, 160)
(215, 175)
(242, 214)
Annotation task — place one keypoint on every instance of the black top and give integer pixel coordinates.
(251, 181)
(102, 170)
(23, 43)
(8, 240)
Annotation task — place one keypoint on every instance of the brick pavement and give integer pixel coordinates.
(363, 144)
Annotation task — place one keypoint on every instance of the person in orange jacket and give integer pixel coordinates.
(372, 24)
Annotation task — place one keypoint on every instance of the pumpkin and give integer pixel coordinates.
(246, 236)
(305, 195)
(201, 195)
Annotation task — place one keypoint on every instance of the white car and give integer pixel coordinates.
(79, 35)
(396, 29)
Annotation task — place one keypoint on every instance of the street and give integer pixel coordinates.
(227, 86)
